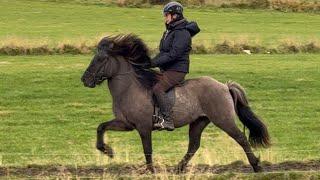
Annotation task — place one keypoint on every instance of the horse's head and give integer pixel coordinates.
(106, 64)
(100, 67)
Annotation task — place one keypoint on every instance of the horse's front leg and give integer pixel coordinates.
(147, 147)
(115, 125)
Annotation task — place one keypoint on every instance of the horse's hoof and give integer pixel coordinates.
(257, 169)
(106, 150)
(151, 169)
(181, 168)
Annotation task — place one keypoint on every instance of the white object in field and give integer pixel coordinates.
(247, 51)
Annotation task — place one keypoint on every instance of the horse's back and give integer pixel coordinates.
(215, 99)
(202, 84)
(202, 96)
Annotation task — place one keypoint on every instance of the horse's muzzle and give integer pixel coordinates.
(89, 85)
(88, 81)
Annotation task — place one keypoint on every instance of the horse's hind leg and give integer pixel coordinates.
(232, 130)
(195, 132)
(115, 125)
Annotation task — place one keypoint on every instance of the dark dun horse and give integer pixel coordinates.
(198, 101)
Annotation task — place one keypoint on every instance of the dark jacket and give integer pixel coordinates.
(175, 46)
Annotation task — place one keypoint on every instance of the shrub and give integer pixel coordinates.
(158, 1)
(310, 48)
(12, 50)
(132, 3)
(39, 50)
(279, 5)
(295, 6)
(262, 4)
(197, 48)
(286, 48)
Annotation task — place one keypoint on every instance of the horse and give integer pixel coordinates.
(120, 60)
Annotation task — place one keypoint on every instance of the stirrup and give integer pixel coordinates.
(160, 121)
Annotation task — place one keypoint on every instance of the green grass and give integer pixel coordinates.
(35, 22)
(48, 117)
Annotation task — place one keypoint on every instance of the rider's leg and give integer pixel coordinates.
(166, 121)
(167, 81)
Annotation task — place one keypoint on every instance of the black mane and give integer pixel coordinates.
(135, 51)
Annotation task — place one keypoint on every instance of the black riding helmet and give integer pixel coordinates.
(173, 8)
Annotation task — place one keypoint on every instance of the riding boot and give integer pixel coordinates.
(165, 120)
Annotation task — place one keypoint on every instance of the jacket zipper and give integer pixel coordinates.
(165, 36)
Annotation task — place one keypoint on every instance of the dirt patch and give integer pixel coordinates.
(128, 169)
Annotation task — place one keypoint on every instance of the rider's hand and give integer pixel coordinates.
(152, 64)
(148, 65)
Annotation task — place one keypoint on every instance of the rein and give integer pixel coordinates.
(138, 64)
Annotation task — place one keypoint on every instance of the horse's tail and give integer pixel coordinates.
(259, 135)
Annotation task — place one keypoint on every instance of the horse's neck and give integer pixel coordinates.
(120, 86)
(124, 87)
(125, 93)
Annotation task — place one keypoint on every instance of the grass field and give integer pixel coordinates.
(47, 116)
(32, 22)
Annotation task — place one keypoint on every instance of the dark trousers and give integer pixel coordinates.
(167, 80)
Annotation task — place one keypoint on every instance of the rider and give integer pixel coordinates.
(173, 59)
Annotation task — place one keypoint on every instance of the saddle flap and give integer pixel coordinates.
(171, 96)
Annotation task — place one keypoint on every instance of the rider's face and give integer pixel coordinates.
(167, 18)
